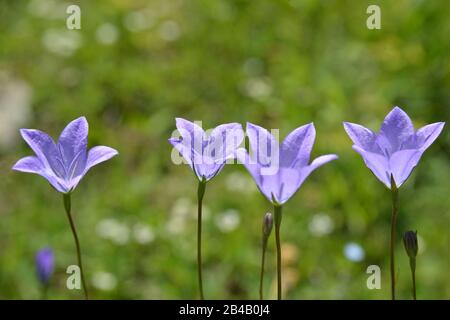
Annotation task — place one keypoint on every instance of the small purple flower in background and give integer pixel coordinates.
(66, 162)
(206, 155)
(45, 265)
(396, 149)
(391, 155)
(280, 171)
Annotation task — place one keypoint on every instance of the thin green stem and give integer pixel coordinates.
(263, 258)
(278, 216)
(394, 191)
(412, 263)
(68, 207)
(200, 194)
(44, 291)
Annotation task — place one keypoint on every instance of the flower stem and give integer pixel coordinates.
(412, 264)
(200, 194)
(44, 292)
(263, 258)
(278, 216)
(68, 207)
(394, 191)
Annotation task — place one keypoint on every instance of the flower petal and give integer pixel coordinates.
(396, 130)
(29, 165)
(402, 164)
(98, 155)
(35, 165)
(378, 164)
(72, 144)
(361, 136)
(45, 149)
(251, 165)
(263, 146)
(224, 141)
(296, 147)
(425, 136)
(318, 162)
(192, 134)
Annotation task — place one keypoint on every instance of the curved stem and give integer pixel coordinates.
(200, 194)
(261, 278)
(68, 207)
(393, 232)
(278, 216)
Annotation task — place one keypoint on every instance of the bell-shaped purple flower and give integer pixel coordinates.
(396, 149)
(280, 171)
(207, 154)
(66, 162)
(44, 265)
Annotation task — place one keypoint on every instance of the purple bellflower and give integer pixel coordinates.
(280, 171)
(391, 155)
(44, 265)
(66, 162)
(206, 155)
(396, 150)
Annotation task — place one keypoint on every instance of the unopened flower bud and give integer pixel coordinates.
(410, 242)
(44, 265)
(267, 225)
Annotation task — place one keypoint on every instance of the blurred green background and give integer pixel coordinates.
(136, 65)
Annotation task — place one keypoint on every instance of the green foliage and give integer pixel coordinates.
(279, 64)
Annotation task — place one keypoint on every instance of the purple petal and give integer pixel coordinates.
(34, 165)
(252, 167)
(192, 134)
(377, 163)
(45, 149)
(98, 155)
(425, 136)
(264, 148)
(29, 165)
(402, 164)
(224, 141)
(361, 136)
(72, 144)
(296, 147)
(284, 184)
(396, 130)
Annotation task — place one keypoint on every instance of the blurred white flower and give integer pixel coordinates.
(228, 220)
(253, 67)
(104, 281)
(107, 33)
(113, 230)
(182, 209)
(321, 224)
(169, 30)
(354, 252)
(48, 9)
(62, 42)
(15, 108)
(139, 20)
(258, 88)
(143, 234)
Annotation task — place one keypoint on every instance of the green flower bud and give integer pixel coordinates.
(267, 225)
(410, 242)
